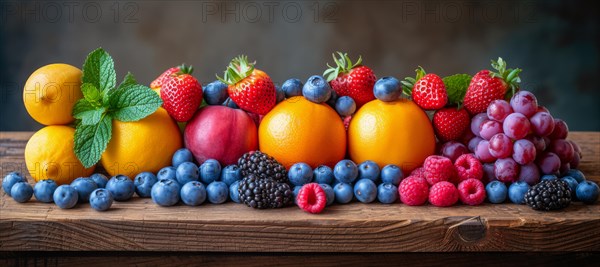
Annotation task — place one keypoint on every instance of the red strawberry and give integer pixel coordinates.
(427, 90)
(487, 86)
(351, 79)
(251, 89)
(451, 123)
(181, 94)
(158, 82)
(346, 121)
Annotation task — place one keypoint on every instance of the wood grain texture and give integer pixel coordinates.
(140, 225)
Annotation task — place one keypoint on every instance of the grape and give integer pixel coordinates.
(482, 152)
(524, 102)
(516, 126)
(489, 174)
(549, 163)
(543, 109)
(523, 151)
(538, 142)
(453, 150)
(476, 122)
(576, 147)
(467, 137)
(473, 143)
(498, 110)
(506, 170)
(500, 146)
(490, 128)
(542, 123)
(563, 149)
(564, 169)
(530, 173)
(561, 130)
(575, 162)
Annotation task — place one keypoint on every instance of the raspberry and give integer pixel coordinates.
(471, 192)
(438, 168)
(443, 194)
(467, 167)
(312, 198)
(418, 172)
(413, 191)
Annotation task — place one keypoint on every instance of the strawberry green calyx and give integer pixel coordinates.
(409, 82)
(238, 69)
(183, 69)
(343, 65)
(510, 76)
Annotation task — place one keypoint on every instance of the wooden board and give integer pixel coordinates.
(140, 225)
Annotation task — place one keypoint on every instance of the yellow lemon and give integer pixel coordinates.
(49, 154)
(50, 93)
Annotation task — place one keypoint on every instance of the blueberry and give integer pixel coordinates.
(280, 94)
(496, 192)
(292, 87)
(549, 177)
(231, 174)
(296, 191)
(572, 185)
(101, 199)
(391, 174)
(180, 156)
(84, 187)
(234, 194)
(368, 170)
(165, 192)
(21, 192)
(210, 171)
(121, 187)
(10, 180)
(44, 189)
(99, 179)
(316, 89)
(217, 192)
(345, 171)
(330, 195)
(193, 193)
(215, 93)
(300, 174)
(365, 190)
(343, 193)
(577, 174)
(516, 192)
(229, 103)
(323, 175)
(332, 99)
(587, 192)
(65, 196)
(143, 183)
(187, 172)
(345, 106)
(387, 193)
(387, 89)
(167, 173)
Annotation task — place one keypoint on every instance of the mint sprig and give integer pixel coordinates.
(456, 86)
(102, 103)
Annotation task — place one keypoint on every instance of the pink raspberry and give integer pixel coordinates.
(467, 167)
(418, 172)
(443, 194)
(471, 192)
(437, 169)
(413, 191)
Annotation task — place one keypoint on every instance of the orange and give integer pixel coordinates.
(50, 93)
(146, 145)
(49, 154)
(396, 132)
(298, 130)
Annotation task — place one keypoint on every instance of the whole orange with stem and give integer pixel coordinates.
(397, 132)
(298, 130)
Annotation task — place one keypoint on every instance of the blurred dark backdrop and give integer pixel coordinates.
(556, 43)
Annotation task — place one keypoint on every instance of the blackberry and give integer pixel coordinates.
(263, 193)
(262, 165)
(549, 195)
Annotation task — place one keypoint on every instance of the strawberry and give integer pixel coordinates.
(250, 88)
(427, 90)
(451, 123)
(351, 79)
(181, 94)
(487, 86)
(158, 82)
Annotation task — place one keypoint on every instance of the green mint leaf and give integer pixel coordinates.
(87, 112)
(128, 80)
(456, 86)
(99, 70)
(80, 107)
(90, 93)
(133, 102)
(91, 141)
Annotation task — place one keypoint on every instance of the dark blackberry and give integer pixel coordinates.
(263, 193)
(549, 195)
(262, 165)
